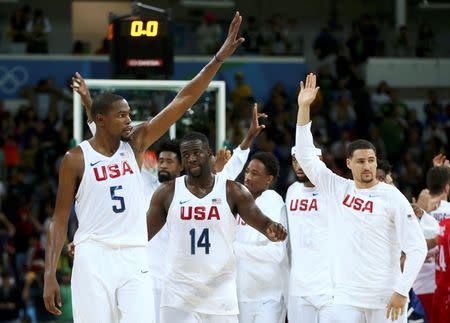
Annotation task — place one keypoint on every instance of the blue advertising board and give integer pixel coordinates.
(259, 72)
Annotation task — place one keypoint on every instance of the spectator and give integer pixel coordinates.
(66, 297)
(104, 48)
(325, 44)
(17, 29)
(253, 37)
(38, 29)
(425, 41)
(209, 34)
(241, 93)
(9, 298)
(403, 46)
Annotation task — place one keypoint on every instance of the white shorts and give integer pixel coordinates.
(174, 315)
(262, 312)
(111, 284)
(353, 314)
(157, 286)
(310, 309)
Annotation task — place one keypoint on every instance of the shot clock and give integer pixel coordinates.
(141, 46)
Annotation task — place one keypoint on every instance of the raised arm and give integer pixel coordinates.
(79, 85)
(236, 163)
(148, 132)
(69, 174)
(306, 155)
(159, 206)
(241, 201)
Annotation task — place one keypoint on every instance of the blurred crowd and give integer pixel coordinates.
(34, 139)
(28, 31)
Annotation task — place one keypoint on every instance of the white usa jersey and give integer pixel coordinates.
(309, 239)
(110, 203)
(372, 226)
(201, 273)
(262, 265)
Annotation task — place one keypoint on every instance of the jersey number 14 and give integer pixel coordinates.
(202, 242)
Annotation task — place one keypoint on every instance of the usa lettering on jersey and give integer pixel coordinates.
(303, 205)
(103, 172)
(199, 213)
(358, 204)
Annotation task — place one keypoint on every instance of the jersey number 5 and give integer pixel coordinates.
(121, 207)
(203, 241)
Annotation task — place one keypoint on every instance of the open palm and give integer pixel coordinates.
(308, 91)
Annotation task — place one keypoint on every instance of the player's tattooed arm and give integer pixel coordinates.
(159, 206)
(241, 201)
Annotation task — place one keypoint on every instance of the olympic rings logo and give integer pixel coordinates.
(12, 79)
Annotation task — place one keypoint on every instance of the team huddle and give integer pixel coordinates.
(193, 245)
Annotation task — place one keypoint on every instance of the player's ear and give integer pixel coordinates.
(348, 163)
(270, 179)
(99, 118)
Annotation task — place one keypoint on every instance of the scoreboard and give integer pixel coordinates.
(141, 46)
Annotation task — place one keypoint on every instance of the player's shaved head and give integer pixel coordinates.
(103, 103)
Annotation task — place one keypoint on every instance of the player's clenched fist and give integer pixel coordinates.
(276, 232)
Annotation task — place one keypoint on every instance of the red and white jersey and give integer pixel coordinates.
(443, 256)
(201, 273)
(442, 211)
(309, 241)
(425, 281)
(110, 203)
(372, 226)
(262, 265)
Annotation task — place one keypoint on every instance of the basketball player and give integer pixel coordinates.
(441, 299)
(310, 283)
(199, 209)
(170, 167)
(110, 280)
(262, 266)
(374, 222)
(384, 171)
(438, 184)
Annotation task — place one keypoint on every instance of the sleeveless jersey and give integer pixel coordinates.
(110, 203)
(201, 273)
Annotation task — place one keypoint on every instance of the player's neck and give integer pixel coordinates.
(440, 197)
(364, 185)
(206, 180)
(104, 145)
(308, 184)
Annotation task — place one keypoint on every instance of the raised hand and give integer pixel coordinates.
(79, 85)
(276, 232)
(256, 128)
(308, 91)
(440, 160)
(232, 41)
(222, 157)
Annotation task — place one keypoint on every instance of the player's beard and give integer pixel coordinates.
(303, 179)
(164, 176)
(367, 179)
